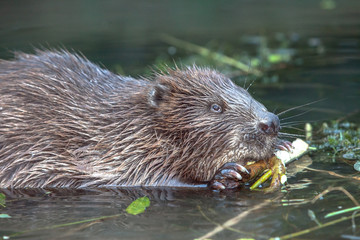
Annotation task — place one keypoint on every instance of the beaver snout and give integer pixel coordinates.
(270, 124)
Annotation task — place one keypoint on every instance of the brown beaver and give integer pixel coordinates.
(66, 122)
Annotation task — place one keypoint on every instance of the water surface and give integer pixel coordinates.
(124, 36)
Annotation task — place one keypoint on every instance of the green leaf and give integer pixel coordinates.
(357, 166)
(328, 4)
(138, 206)
(4, 215)
(275, 58)
(2, 199)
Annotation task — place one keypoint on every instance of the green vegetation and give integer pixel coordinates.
(262, 57)
(342, 140)
(138, 206)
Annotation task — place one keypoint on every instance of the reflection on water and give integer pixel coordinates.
(179, 213)
(123, 35)
(172, 211)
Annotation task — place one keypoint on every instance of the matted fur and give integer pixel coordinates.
(66, 122)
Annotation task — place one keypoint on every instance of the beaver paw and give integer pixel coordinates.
(228, 176)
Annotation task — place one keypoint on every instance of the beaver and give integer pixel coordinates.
(66, 122)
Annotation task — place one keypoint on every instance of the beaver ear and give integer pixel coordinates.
(157, 94)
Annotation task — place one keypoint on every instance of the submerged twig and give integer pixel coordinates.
(219, 225)
(65, 224)
(208, 53)
(78, 229)
(330, 189)
(333, 173)
(233, 221)
(347, 116)
(309, 230)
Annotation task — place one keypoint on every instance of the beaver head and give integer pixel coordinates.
(210, 121)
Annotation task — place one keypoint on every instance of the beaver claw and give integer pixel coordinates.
(228, 176)
(285, 145)
(232, 175)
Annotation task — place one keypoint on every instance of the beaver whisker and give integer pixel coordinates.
(295, 128)
(292, 123)
(296, 115)
(300, 106)
(248, 87)
(298, 122)
(291, 135)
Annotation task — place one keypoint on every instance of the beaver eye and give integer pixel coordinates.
(216, 108)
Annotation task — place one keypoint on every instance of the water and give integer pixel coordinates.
(177, 213)
(124, 36)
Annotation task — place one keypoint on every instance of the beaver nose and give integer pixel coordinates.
(269, 125)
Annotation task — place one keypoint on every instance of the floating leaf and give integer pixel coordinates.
(357, 166)
(349, 156)
(138, 206)
(312, 216)
(4, 215)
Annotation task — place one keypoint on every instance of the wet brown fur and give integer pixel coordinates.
(65, 122)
